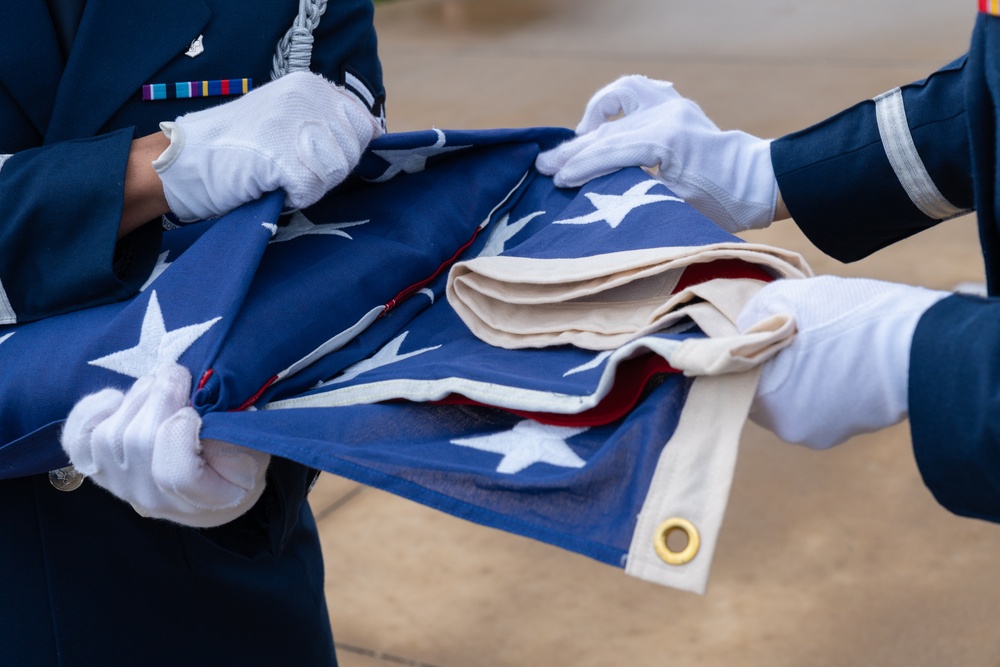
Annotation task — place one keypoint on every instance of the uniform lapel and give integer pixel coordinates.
(30, 60)
(120, 44)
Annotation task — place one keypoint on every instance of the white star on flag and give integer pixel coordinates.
(503, 231)
(412, 160)
(527, 443)
(3, 338)
(156, 345)
(612, 209)
(300, 225)
(158, 269)
(389, 354)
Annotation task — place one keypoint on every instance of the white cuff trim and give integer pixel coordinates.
(890, 114)
(363, 93)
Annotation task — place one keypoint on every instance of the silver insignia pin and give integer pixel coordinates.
(197, 47)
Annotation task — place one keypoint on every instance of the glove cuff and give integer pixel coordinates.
(760, 192)
(181, 214)
(175, 134)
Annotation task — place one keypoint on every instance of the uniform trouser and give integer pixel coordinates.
(88, 582)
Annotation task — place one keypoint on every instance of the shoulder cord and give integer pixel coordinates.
(294, 51)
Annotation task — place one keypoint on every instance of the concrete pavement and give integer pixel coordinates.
(826, 558)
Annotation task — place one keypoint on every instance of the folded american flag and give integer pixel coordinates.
(326, 336)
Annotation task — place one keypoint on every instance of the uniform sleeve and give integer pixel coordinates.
(60, 207)
(346, 52)
(882, 170)
(954, 402)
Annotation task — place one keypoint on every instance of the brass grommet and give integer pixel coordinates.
(663, 550)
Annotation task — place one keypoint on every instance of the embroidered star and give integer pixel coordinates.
(612, 209)
(505, 231)
(3, 338)
(300, 225)
(429, 293)
(7, 314)
(412, 160)
(389, 354)
(156, 345)
(593, 363)
(527, 443)
(158, 269)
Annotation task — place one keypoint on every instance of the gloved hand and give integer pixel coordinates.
(727, 176)
(300, 133)
(847, 370)
(143, 447)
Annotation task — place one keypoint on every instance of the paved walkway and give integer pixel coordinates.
(826, 558)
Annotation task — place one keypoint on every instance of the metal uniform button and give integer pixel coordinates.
(66, 479)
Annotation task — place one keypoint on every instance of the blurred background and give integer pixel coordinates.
(825, 558)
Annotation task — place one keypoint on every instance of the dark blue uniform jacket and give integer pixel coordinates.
(68, 125)
(843, 190)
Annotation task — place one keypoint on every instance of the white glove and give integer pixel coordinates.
(300, 133)
(727, 176)
(143, 447)
(848, 369)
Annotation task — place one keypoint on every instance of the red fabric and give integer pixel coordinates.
(630, 383)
